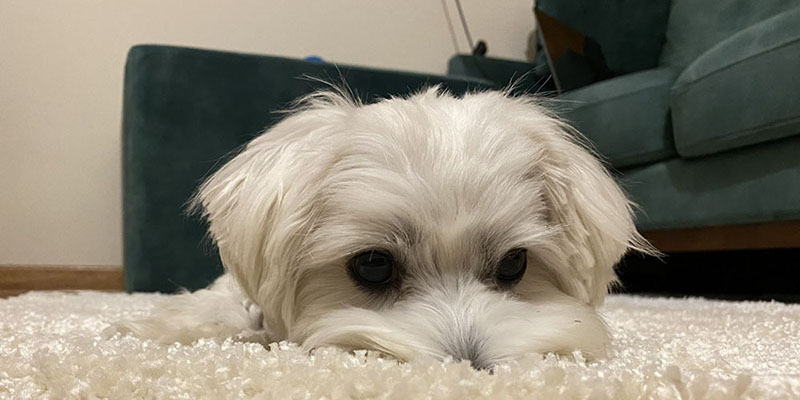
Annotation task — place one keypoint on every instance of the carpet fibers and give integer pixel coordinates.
(51, 347)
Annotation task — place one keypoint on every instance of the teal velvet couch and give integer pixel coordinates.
(702, 121)
(709, 134)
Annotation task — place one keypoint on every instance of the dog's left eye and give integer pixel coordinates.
(512, 266)
(373, 268)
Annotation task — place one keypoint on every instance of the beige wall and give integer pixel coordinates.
(61, 65)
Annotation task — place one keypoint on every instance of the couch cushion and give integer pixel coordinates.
(626, 118)
(697, 25)
(742, 91)
(748, 185)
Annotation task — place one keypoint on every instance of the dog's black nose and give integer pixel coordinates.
(482, 365)
(475, 359)
(469, 347)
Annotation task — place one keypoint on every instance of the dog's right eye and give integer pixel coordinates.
(511, 268)
(373, 268)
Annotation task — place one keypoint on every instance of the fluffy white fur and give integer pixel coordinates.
(448, 185)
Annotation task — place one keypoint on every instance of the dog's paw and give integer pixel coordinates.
(219, 311)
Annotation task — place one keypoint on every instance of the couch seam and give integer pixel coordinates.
(741, 133)
(650, 154)
(684, 87)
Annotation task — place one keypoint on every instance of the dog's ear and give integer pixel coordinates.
(593, 214)
(260, 205)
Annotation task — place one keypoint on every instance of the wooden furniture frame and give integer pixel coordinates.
(769, 235)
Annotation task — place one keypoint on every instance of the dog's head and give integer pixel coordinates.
(472, 227)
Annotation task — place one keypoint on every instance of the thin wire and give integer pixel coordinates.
(450, 26)
(464, 24)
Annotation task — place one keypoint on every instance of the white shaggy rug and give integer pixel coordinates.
(51, 347)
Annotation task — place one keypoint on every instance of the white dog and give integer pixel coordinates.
(471, 227)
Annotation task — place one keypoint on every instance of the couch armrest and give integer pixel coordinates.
(500, 73)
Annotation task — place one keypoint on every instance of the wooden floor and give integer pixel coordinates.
(17, 279)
